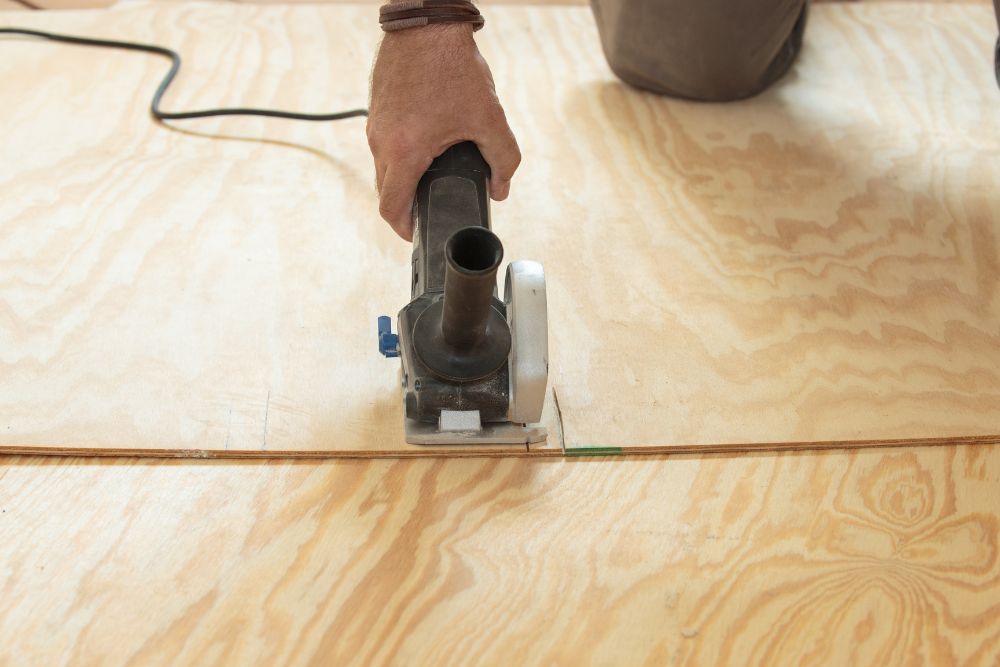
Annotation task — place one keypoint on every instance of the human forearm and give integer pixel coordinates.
(432, 89)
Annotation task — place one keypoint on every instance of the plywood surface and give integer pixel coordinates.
(871, 557)
(818, 264)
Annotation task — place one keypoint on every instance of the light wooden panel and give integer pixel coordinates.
(818, 263)
(210, 288)
(877, 557)
(814, 265)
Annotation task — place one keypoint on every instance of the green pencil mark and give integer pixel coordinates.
(592, 451)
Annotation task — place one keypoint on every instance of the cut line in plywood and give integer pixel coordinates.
(815, 267)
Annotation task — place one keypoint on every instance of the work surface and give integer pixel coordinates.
(881, 557)
(818, 264)
(868, 557)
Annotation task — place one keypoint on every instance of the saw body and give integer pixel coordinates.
(474, 368)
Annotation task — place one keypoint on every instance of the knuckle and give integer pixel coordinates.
(496, 111)
(509, 161)
(385, 210)
(393, 143)
(495, 118)
(373, 129)
(403, 142)
(515, 157)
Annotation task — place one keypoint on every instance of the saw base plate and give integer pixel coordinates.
(501, 433)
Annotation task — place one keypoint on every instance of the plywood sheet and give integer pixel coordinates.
(816, 265)
(875, 557)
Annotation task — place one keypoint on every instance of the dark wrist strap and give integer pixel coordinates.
(415, 13)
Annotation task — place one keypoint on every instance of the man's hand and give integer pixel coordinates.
(432, 89)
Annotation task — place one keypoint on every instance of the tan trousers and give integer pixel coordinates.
(713, 50)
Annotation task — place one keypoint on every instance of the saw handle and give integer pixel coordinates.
(463, 157)
(452, 194)
(465, 192)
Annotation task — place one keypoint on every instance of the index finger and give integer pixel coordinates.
(398, 189)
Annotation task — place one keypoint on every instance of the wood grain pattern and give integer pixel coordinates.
(871, 557)
(816, 265)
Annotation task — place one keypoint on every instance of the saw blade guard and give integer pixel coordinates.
(527, 314)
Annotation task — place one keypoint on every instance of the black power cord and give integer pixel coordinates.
(175, 65)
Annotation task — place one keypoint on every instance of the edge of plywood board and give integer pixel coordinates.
(569, 452)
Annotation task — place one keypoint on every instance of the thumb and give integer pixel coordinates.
(500, 150)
